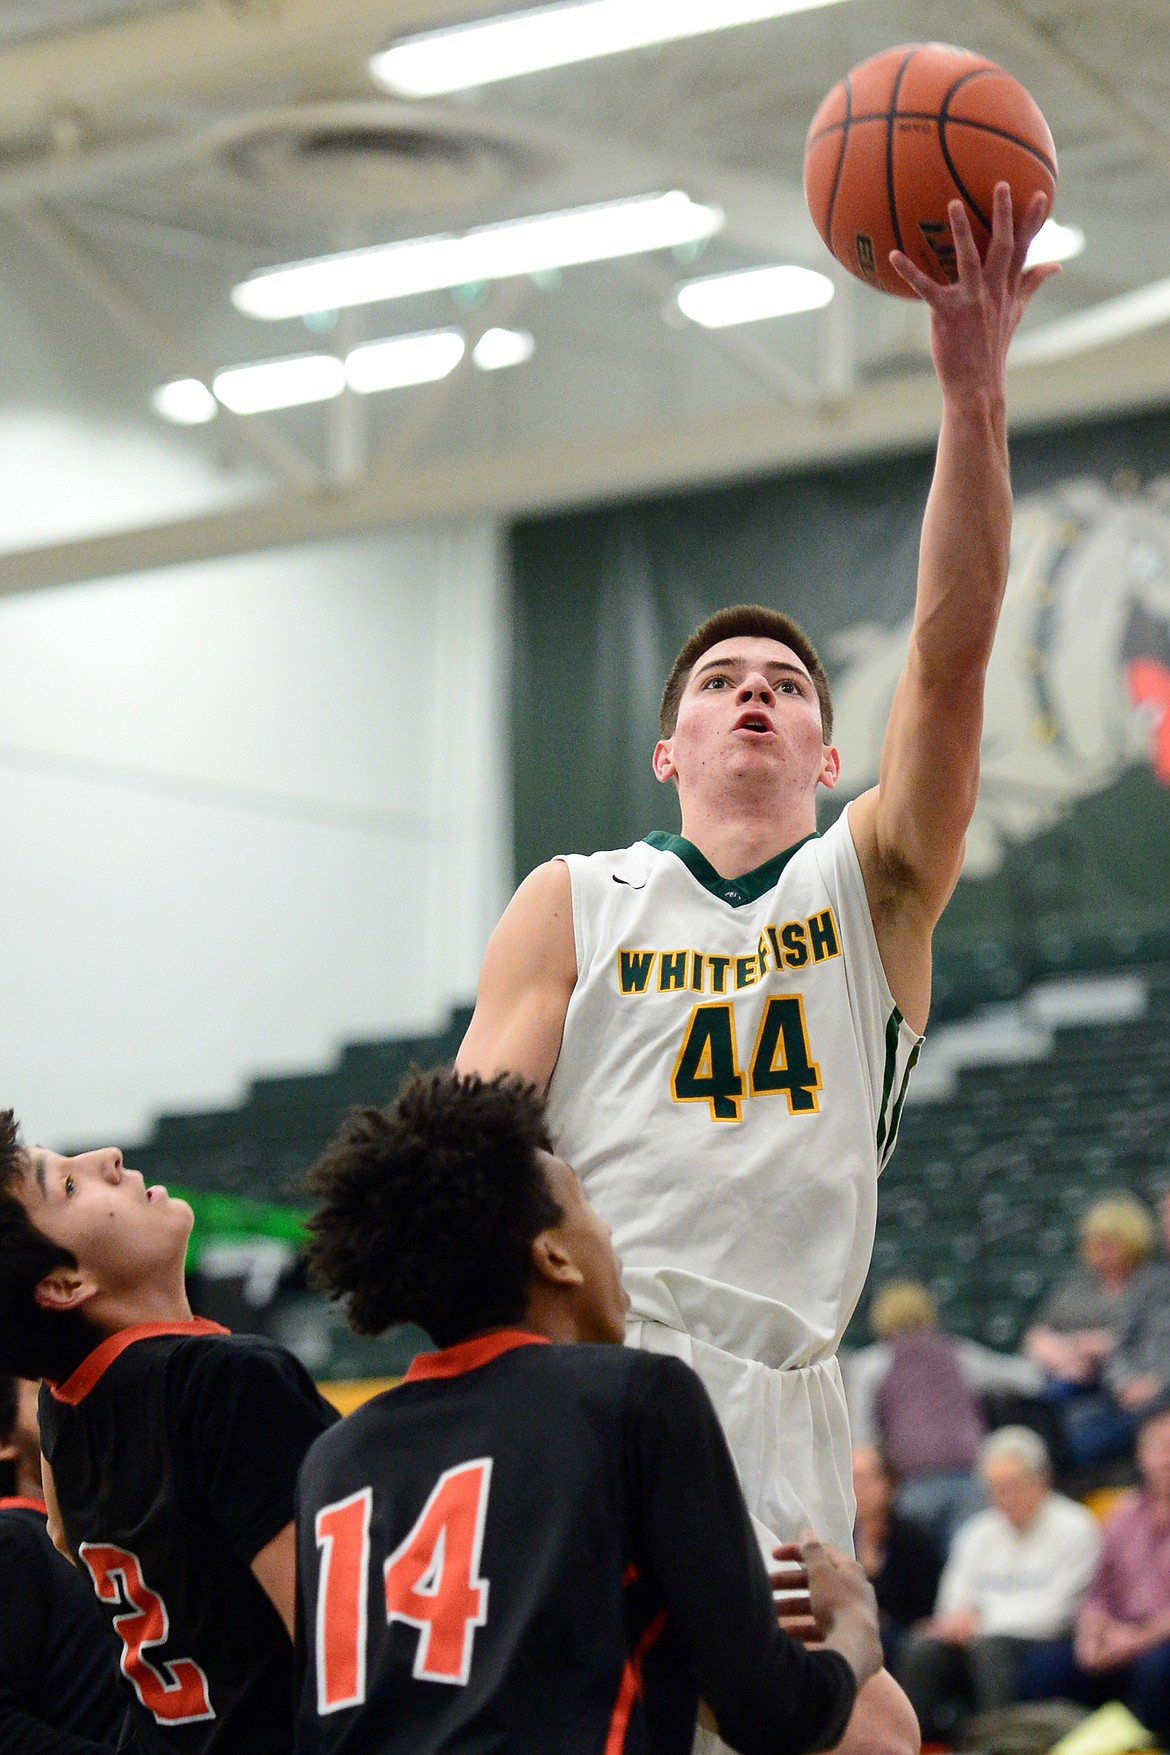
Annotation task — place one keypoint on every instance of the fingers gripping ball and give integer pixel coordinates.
(905, 133)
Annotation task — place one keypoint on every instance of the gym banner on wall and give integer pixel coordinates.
(1069, 851)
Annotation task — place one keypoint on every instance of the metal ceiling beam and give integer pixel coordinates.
(261, 439)
(210, 48)
(883, 418)
(1048, 42)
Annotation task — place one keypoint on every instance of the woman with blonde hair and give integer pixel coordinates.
(1074, 1331)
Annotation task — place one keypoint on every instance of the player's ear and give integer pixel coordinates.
(8, 1450)
(65, 1288)
(552, 1260)
(830, 768)
(662, 761)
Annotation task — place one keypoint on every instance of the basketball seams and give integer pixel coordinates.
(903, 134)
(845, 121)
(932, 116)
(1005, 134)
(891, 193)
(964, 192)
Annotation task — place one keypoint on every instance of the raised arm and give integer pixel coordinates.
(528, 975)
(909, 830)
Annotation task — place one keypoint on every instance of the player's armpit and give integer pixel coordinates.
(275, 1570)
(528, 975)
(902, 910)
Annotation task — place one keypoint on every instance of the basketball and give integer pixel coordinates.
(905, 133)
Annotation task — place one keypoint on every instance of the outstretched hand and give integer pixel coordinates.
(973, 318)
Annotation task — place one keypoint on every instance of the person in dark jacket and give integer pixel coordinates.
(902, 1560)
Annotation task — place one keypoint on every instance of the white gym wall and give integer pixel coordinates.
(252, 809)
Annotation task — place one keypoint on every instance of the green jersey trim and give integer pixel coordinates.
(887, 1133)
(738, 891)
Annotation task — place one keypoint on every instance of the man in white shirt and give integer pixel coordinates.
(1014, 1580)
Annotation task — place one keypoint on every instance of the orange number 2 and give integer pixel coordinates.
(176, 1693)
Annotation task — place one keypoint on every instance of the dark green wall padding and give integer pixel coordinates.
(604, 599)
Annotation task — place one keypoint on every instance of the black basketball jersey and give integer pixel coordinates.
(530, 1549)
(174, 1449)
(59, 1686)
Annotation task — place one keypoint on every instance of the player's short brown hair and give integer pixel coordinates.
(34, 1342)
(428, 1209)
(752, 621)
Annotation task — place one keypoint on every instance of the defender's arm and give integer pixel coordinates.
(909, 830)
(275, 1571)
(528, 975)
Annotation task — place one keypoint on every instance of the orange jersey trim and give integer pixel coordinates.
(470, 1355)
(77, 1387)
(20, 1502)
(630, 1689)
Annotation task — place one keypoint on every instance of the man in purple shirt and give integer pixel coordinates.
(1122, 1646)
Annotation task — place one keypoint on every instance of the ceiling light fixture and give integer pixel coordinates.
(533, 245)
(468, 55)
(498, 349)
(185, 402)
(1055, 243)
(273, 384)
(269, 385)
(1113, 320)
(718, 301)
(407, 359)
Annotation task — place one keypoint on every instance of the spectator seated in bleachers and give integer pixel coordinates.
(916, 1394)
(1075, 1325)
(1011, 1587)
(902, 1561)
(1137, 1371)
(1121, 1648)
(1076, 1334)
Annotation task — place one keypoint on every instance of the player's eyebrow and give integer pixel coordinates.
(38, 1170)
(776, 664)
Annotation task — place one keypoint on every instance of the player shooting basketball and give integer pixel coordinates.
(725, 1021)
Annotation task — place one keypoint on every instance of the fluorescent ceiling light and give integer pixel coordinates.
(1055, 243)
(719, 300)
(491, 252)
(291, 383)
(468, 55)
(407, 359)
(185, 402)
(497, 349)
(1116, 318)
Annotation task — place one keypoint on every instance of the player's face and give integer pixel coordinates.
(749, 708)
(602, 1301)
(120, 1232)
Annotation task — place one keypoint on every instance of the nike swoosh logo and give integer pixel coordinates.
(628, 884)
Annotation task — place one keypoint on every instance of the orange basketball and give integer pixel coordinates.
(905, 133)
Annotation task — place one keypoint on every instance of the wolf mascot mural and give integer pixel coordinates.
(1079, 683)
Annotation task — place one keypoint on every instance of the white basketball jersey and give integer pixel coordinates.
(729, 1086)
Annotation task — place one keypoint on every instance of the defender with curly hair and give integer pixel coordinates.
(532, 1547)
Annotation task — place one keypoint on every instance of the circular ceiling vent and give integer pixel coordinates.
(381, 157)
